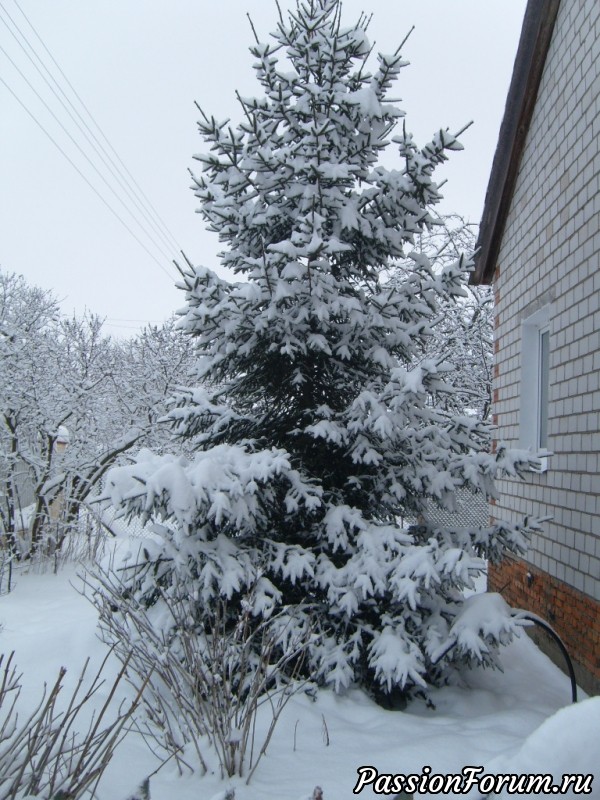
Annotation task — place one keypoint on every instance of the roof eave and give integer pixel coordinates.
(536, 34)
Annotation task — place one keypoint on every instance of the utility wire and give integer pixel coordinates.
(128, 319)
(83, 128)
(101, 132)
(158, 224)
(83, 153)
(89, 183)
(108, 324)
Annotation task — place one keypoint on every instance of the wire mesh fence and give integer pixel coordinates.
(84, 539)
(472, 511)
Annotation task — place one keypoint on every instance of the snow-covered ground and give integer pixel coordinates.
(518, 721)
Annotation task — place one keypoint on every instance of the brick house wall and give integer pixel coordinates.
(573, 613)
(549, 259)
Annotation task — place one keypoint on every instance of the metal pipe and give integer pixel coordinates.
(528, 615)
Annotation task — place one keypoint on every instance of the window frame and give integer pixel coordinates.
(535, 383)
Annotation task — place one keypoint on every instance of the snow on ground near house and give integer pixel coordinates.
(517, 721)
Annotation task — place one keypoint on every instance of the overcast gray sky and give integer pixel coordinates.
(139, 65)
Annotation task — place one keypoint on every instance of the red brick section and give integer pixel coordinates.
(573, 615)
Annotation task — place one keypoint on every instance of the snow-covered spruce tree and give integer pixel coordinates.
(323, 427)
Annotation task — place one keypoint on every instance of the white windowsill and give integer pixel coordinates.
(544, 457)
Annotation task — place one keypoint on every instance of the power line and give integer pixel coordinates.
(118, 325)
(83, 153)
(92, 187)
(127, 319)
(83, 127)
(99, 129)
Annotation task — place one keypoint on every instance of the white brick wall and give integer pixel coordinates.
(551, 253)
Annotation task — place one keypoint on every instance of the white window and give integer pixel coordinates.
(535, 382)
